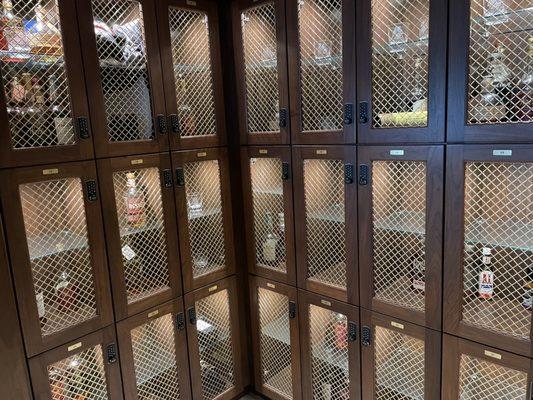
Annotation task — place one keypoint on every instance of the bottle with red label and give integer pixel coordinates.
(341, 331)
(134, 202)
(486, 276)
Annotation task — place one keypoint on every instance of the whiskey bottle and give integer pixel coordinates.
(65, 293)
(270, 245)
(418, 280)
(486, 276)
(134, 202)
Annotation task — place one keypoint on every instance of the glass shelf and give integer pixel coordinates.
(331, 61)
(54, 244)
(329, 214)
(155, 225)
(203, 213)
(485, 24)
(484, 232)
(411, 222)
(418, 46)
(30, 60)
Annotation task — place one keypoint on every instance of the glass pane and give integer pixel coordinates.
(58, 246)
(204, 215)
(275, 341)
(325, 229)
(400, 36)
(191, 58)
(480, 379)
(269, 213)
(261, 68)
(320, 35)
(81, 376)
(399, 366)
(34, 76)
(154, 359)
(500, 85)
(498, 247)
(214, 340)
(142, 232)
(399, 232)
(329, 354)
(120, 41)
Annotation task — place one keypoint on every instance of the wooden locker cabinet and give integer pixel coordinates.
(401, 80)
(400, 227)
(275, 337)
(203, 201)
(321, 51)
(267, 188)
(329, 343)
(125, 84)
(153, 353)
(487, 198)
(56, 243)
(398, 359)
(325, 204)
(192, 72)
(478, 33)
(87, 368)
(261, 63)
(216, 341)
(474, 371)
(35, 133)
(142, 247)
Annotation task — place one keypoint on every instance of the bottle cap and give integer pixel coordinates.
(487, 251)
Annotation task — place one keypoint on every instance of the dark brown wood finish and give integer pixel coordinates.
(39, 365)
(179, 159)
(433, 156)
(210, 9)
(284, 154)
(347, 134)
(347, 155)
(457, 156)
(18, 248)
(432, 352)
(83, 148)
(127, 361)
(305, 300)
(103, 146)
(106, 169)
(434, 131)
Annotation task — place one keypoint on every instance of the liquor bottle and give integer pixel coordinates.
(12, 35)
(486, 276)
(418, 265)
(340, 328)
(41, 310)
(134, 202)
(527, 298)
(28, 89)
(470, 273)
(17, 92)
(65, 293)
(270, 245)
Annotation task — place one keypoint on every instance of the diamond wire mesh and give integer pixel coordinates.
(480, 379)
(267, 197)
(498, 215)
(399, 217)
(190, 45)
(325, 229)
(399, 63)
(81, 376)
(399, 366)
(121, 46)
(56, 230)
(321, 74)
(205, 220)
(146, 269)
(275, 341)
(154, 359)
(35, 79)
(215, 344)
(500, 84)
(260, 64)
(329, 354)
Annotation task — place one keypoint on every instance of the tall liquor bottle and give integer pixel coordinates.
(134, 202)
(527, 297)
(271, 244)
(486, 276)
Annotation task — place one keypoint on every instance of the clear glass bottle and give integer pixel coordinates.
(270, 245)
(418, 265)
(134, 202)
(486, 276)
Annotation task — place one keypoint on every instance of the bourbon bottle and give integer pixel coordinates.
(134, 202)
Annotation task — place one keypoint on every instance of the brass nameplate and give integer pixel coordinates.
(396, 152)
(213, 288)
(263, 151)
(271, 285)
(50, 171)
(492, 354)
(397, 325)
(201, 154)
(136, 162)
(74, 346)
(326, 303)
(321, 151)
(504, 153)
(153, 313)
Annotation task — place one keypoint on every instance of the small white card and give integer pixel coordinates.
(128, 252)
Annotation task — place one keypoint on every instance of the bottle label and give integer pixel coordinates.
(134, 209)
(486, 284)
(128, 252)
(419, 284)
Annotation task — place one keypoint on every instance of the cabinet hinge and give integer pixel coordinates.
(363, 174)
(111, 353)
(283, 118)
(174, 123)
(180, 321)
(285, 171)
(348, 174)
(363, 112)
(167, 178)
(191, 312)
(352, 331)
(90, 190)
(180, 177)
(162, 124)
(292, 309)
(366, 336)
(348, 114)
(83, 128)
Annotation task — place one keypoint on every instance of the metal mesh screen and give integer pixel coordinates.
(500, 72)
(400, 36)
(324, 206)
(498, 215)
(275, 341)
(215, 343)
(81, 376)
(321, 74)
(34, 76)
(190, 41)
(480, 379)
(329, 354)
(120, 41)
(261, 68)
(399, 366)
(154, 359)
(142, 232)
(205, 220)
(56, 231)
(269, 213)
(398, 242)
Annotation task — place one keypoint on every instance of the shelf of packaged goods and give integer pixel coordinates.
(52, 245)
(500, 234)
